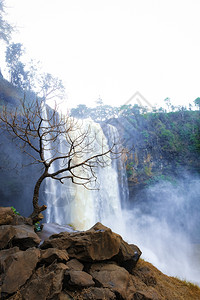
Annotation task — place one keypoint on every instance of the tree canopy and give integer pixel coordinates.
(5, 27)
(197, 102)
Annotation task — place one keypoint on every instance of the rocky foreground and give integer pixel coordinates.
(94, 264)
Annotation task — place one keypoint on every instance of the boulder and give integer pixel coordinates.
(50, 255)
(22, 236)
(113, 277)
(45, 283)
(16, 268)
(74, 264)
(25, 237)
(77, 280)
(6, 215)
(4, 256)
(96, 244)
(127, 256)
(91, 245)
(7, 232)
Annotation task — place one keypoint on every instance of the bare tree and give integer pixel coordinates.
(63, 147)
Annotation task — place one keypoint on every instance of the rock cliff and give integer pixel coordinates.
(161, 145)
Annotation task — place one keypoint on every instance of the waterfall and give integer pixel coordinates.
(112, 133)
(73, 204)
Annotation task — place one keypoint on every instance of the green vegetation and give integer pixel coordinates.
(158, 178)
(147, 171)
(172, 139)
(37, 227)
(197, 102)
(129, 168)
(15, 211)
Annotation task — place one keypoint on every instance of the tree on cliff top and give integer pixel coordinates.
(18, 75)
(5, 27)
(197, 102)
(39, 130)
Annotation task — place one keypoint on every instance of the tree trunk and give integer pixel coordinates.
(36, 215)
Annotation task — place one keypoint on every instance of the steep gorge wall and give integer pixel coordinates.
(161, 146)
(17, 174)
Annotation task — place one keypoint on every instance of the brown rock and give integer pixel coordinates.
(98, 294)
(45, 283)
(146, 275)
(6, 215)
(25, 237)
(64, 296)
(146, 295)
(17, 268)
(49, 255)
(7, 233)
(99, 226)
(116, 278)
(89, 246)
(77, 279)
(74, 264)
(4, 255)
(22, 236)
(128, 256)
(20, 220)
(97, 244)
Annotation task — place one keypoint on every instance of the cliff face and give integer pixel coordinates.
(10, 94)
(95, 264)
(17, 174)
(160, 146)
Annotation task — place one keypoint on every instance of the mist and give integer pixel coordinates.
(163, 221)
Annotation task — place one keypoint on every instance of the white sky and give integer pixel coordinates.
(114, 48)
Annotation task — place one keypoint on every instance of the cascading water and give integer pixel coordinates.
(70, 203)
(112, 133)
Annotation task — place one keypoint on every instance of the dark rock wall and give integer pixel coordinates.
(17, 176)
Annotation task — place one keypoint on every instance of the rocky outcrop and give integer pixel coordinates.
(97, 244)
(16, 268)
(110, 275)
(22, 236)
(95, 264)
(45, 283)
(50, 255)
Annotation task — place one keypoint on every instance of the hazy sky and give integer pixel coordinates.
(114, 48)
